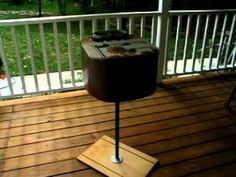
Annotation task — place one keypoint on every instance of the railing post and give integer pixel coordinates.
(163, 7)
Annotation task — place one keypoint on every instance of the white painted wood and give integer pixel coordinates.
(131, 25)
(154, 29)
(24, 21)
(186, 41)
(195, 42)
(107, 24)
(81, 29)
(43, 92)
(204, 41)
(58, 53)
(94, 25)
(232, 28)
(234, 55)
(31, 54)
(118, 21)
(28, 21)
(213, 39)
(45, 54)
(221, 41)
(142, 27)
(168, 34)
(18, 57)
(70, 51)
(5, 65)
(201, 12)
(177, 42)
(159, 35)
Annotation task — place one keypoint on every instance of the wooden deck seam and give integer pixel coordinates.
(196, 144)
(125, 137)
(122, 137)
(122, 118)
(92, 99)
(224, 100)
(112, 120)
(203, 155)
(223, 95)
(204, 170)
(181, 136)
(198, 157)
(154, 154)
(184, 124)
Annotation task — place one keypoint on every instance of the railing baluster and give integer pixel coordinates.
(5, 65)
(45, 55)
(118, 21)
(58, 55)
(131, 25)
(229, 40)
(81, 28)
(107, 26)
(204, 42)
(213, 40)
(221, 40)
(195, 42)
(142, 27)
(234, 55)
(177, 42)
(18, 57)
(94, 25)
(70, 51)
(31, 54)
(168, 34)
(186, 42)
(154, 29)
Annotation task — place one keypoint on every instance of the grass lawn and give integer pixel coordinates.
(37, 49)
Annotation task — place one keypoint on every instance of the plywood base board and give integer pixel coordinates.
(135, 163)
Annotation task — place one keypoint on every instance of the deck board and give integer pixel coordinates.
(184, 124)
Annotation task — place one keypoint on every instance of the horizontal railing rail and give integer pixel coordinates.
(42, 55)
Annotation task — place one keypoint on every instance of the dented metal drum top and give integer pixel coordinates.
(119, 70)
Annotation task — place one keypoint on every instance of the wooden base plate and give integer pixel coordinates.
(135, 163)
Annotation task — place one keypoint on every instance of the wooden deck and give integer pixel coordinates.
(184, 124)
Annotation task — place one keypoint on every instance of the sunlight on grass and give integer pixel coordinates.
(37, 49)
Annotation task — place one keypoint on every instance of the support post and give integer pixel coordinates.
(163, 7)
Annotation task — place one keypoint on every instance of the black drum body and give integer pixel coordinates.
(119, 70)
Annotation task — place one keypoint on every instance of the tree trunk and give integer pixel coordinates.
(62, 6)
(40, 8)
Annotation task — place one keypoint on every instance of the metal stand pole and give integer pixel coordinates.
(117, 158)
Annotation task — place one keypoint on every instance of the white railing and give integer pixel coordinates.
(30, 46)
(42, 55)
(200, 41)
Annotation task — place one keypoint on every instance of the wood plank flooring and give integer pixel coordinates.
(184, 124)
